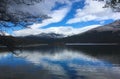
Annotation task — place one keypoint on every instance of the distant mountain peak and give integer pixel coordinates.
(114, 26)
(115, 23)
(51, 35)
(48, 35)
(4, 33)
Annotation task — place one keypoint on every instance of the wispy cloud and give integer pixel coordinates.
(93, 10)
(56, 16)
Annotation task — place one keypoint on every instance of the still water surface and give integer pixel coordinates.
(61, 63)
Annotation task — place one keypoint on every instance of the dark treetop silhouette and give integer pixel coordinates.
(11, 11)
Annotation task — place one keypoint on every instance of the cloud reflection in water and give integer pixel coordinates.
(57, 64)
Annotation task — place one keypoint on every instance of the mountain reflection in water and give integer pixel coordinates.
(60, 63)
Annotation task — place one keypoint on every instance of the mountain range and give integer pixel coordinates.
(109, 33)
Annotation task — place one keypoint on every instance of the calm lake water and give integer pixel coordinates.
(71, 62)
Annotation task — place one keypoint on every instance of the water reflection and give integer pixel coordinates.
(56, 63)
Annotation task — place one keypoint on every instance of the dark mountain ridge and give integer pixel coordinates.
(109, 33)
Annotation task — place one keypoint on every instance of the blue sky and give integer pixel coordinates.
(68, 17)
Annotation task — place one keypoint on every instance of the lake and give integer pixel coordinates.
(65, 62)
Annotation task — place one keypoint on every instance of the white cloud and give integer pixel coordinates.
(43, 7)
(93, 10)
(56, 15)
(66, 30)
